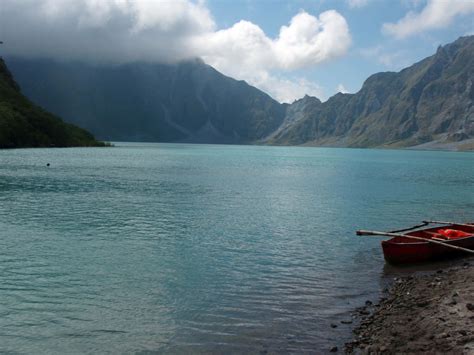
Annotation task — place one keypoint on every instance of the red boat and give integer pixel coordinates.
(427, 244)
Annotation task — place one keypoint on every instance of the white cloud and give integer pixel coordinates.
(119, 31)
(436, 14)
(309, 40)
(245, 51)
(357, 3)
(342, 89)
(306, 41)
(103, 31)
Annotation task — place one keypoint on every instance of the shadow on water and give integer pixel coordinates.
(390, 271)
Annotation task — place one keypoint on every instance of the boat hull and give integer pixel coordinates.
(404, 251)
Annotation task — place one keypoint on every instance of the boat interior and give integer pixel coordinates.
(444, 233)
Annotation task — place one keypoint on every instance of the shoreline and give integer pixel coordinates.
(422, 313)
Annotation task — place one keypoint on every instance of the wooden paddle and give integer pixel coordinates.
(424, 224)
(454, 223)
(387, 234)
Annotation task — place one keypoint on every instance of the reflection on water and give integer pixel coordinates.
(404, 270)
(180, 248)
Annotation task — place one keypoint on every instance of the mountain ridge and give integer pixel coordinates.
(185, 102)
(430, 101)
(428, 104)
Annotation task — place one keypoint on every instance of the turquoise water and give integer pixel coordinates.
(147, 248)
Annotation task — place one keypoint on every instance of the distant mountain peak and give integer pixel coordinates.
(429, 103)
(178, 102)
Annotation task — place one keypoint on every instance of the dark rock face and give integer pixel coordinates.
(186, 102)
(431, 100)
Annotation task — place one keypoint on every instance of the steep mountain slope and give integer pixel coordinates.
(22, 124)
(186, 102)
(431, 102)
(428, 104)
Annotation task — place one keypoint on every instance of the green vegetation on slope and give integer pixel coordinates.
(23, 124)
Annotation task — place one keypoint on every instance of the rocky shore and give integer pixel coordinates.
(430, 313)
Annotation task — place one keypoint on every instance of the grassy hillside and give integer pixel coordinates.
(23, 124)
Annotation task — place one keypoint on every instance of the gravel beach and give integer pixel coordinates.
(429, 313)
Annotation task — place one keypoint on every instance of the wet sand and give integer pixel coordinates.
(430, 313)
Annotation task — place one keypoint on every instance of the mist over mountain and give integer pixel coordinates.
(429, 104)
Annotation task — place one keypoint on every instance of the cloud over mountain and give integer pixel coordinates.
(120, 31)
(103, 31)
(245, 51)
(436, 14)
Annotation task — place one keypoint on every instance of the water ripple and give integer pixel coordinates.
(193, 248)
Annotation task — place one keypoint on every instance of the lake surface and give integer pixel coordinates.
(146, 248)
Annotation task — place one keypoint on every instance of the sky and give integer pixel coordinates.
(286, 48)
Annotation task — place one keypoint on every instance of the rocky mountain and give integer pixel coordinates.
(185, 102)
(23, 124)
(429, 104)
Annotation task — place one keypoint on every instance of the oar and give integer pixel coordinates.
(386, 234)
(424, 224)
(456, 224)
